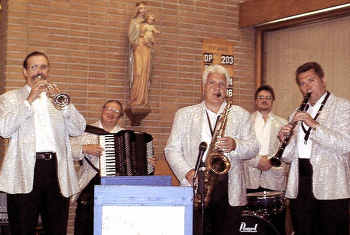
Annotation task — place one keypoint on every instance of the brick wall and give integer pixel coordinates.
(88, 50)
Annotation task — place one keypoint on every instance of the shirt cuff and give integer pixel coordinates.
(27, 103)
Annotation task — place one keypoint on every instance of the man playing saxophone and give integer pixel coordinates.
(319, 153)
(195, 124)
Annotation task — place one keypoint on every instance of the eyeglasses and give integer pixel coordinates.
(35, 67)
(113, 109)
(260, 97)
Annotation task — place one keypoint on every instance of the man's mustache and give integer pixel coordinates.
(40, 76)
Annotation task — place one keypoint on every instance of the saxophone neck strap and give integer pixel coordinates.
(210, 127)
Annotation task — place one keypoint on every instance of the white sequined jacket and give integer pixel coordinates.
(182, 149)
(276, 177)
(17, 124)
(330, 153)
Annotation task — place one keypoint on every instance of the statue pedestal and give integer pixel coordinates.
(137, 113)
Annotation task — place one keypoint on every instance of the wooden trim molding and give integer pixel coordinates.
(258, 58)
(253, 13)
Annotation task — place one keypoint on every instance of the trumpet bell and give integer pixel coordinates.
(61, 101)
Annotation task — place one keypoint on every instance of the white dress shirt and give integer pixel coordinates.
(42, 124)
(305, 148)
(262, 131)
(206, 135)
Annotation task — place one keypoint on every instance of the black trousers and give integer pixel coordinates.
(45, 199)
(311, 216)
(219, 216)
(84, 214)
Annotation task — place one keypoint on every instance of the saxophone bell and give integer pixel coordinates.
(219, 163)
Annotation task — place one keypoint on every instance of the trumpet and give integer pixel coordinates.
(60, 100)
(276, 160)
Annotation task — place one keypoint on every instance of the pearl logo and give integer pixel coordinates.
(243, 228)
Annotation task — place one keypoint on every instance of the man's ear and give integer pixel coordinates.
(324, 80)
(24, 71)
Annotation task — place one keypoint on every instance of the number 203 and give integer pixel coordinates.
(226, 59)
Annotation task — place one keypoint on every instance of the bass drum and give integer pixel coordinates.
(257, 226)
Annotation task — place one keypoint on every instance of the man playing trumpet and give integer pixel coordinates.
(38, 171)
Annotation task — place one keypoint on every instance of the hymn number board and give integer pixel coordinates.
(218, 51)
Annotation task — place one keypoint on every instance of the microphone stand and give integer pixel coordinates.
(199, 175)
(201, 191)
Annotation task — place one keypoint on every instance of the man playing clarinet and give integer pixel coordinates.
(319, 153)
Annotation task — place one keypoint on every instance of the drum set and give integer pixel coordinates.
(264, 214)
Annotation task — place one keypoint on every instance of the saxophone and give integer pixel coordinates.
(216, 162)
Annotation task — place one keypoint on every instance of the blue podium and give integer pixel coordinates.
(155, 180)
(146, 209)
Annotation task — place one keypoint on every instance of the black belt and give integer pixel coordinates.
(45, 155)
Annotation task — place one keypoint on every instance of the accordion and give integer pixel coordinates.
(126, 153)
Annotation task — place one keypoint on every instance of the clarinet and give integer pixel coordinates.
(276, 160)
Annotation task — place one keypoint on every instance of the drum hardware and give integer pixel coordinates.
(266, 201)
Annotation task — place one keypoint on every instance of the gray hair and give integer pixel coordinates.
(216, 68)
(116, 102)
